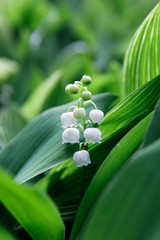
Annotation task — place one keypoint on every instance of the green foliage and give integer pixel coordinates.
(131, 199)
(118, 156)
(11, 123)
(5, 234)
(142, 57)
(39, 145)
(45, 45)
(153, 132)
(32, 208)
(125, 115)
(113, 128)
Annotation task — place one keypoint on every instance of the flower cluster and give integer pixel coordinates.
(75, 122)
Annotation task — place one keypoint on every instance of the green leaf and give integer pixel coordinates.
(5, 234)
(37, 101)
(142, 62)
(153, 132)
(118, 156)
(38, 147)
(11, 123)
(125, 115)
(128, 206)
(32, 209)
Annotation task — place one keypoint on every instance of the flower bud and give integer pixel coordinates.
(67, 89)
(86, 79)
(68, 120)
(70, 135)
(92, 135)
(86, 95)
(81, 158)
(79, 113)
(96, 116)
(72, 88)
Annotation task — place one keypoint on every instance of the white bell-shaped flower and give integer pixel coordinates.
(92, 135)
(96, 116)
(81, 158)
(70, 135)
(68, 120)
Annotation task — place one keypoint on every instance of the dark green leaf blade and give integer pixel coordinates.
(129, 207)
(121, 152)
(153, 132)
(32, 209)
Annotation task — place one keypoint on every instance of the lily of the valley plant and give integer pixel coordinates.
(74, 121)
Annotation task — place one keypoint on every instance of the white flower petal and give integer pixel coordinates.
(96, 116)
(70, 135)
(81, 158)
(92, 135)
(68, 120)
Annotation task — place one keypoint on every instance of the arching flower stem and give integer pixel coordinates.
(79, 126)
(87, 102)
(71, 108)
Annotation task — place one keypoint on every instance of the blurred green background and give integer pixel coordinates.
(46, 44)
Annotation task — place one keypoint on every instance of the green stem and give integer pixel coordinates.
(87, 102)
(79, 102)
(83, 106)
(79, 126)
(71, 108)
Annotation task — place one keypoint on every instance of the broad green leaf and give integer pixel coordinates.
(38, 147)
(142, 61)
(118, 156)
(11, 123)
(125, 115)
(5, 234)
(66, 184)
(33, 209)
(153, 132)
(128, 207)
(8, 68)
(37, 101)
